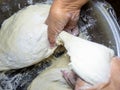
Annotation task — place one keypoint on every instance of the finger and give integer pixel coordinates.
(46, 21)
(82, 85)
(115, 66)
(72, 23)
(51, 37)
(116, 58)
(103, 86)
(75, 31)
(79, 84)
(72, 26)
(52, 41)
(115, 73)
(70, 78)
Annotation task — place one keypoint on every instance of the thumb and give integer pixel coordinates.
(53, 32)
(79, 83)
(52, 37)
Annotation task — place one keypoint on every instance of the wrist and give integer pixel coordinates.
(70, 4)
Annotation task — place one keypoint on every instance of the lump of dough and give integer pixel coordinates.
(91, 61)
(23, 38)
(52, 78)
(24, 42)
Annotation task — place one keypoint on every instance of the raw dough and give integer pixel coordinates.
(91, 61)
(24, 42)
(23, 38)
(51, 78)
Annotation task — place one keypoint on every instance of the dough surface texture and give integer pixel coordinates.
(24, 42)
(23, 38)
(90, 60)
(51, 78)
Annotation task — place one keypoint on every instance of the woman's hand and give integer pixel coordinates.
(113, 84)
(63, 15)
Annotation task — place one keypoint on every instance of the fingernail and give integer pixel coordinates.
(52, 45)
(116, 58)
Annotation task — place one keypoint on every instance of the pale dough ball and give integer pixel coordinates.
(90, 60)
(23, 38)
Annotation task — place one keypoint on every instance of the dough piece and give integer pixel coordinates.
(51, 78)
(91, 61)
(23, 38)
(24, 42)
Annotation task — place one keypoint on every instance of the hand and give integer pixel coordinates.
(113, 84)
(63, 15)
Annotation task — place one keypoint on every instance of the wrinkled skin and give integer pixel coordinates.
(113, 84)
(63, 15)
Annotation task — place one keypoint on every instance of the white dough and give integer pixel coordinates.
(23, 38)
(24, 42)
(52, 78)
(91, 61)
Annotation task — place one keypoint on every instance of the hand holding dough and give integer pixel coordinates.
(91, 61)
(24, 42)
(82, 62)
(23, 38)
